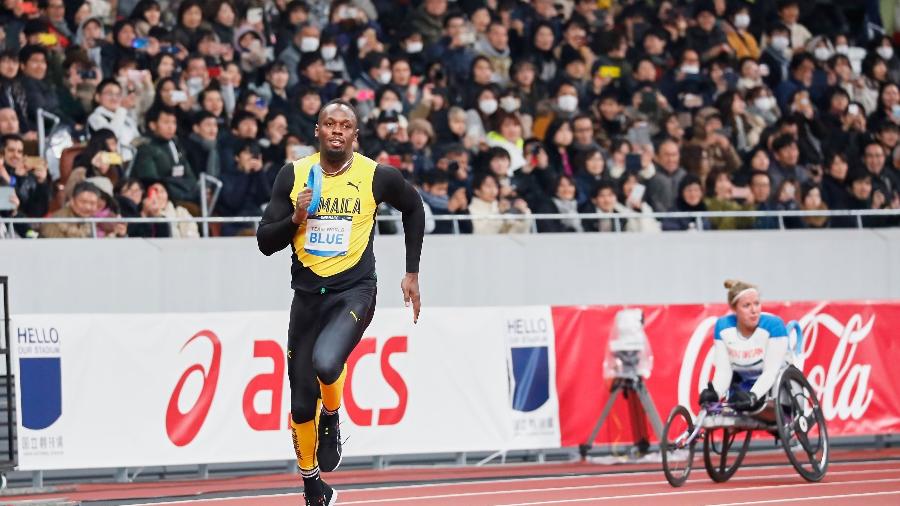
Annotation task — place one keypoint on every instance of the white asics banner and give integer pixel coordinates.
(168, 389)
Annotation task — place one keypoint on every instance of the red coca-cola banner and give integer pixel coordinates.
(849, 354)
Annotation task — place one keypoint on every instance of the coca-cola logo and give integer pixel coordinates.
(182, 428)
(842, 386)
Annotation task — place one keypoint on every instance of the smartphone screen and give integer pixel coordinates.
(6, 193)
(637, 194)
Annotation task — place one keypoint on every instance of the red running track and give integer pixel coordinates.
(874, 483)
(771, 481)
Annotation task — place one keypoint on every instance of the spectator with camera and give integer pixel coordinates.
(152, 205)
(28, 175)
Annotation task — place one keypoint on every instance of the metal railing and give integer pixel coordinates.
(697, 217)
(43, 114)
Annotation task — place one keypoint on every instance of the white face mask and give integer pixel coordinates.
(822, 53)
(509, 104)
(780, 42)
(764, 103)
(567, 103)
(329, 52)
(309, 44)
(414, 47)
(842, 49)
(488, 106)
(885, 52)
(742, 21)
(690, 69)
(396, 107)
(384, 77)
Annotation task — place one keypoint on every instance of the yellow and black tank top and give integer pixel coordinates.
(333, 250)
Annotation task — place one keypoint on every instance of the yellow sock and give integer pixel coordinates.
(331, 394)
(306, 441)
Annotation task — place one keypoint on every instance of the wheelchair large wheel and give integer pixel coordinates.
(723, 452)
(801, 425)
(677, 446)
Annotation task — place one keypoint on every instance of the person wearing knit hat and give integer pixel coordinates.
(750, 349)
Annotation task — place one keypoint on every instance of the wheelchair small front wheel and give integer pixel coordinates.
(677, 446)
(801, 425)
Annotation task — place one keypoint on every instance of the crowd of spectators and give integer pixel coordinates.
(489, 107)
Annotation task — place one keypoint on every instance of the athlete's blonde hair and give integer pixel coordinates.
(736, 289)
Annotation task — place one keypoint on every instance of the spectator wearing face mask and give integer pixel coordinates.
(741, 40)
(762, 104)
(334, 61)
(776, 55)
(305, 40)
(409, 45)
(789, 15)
(482, 114)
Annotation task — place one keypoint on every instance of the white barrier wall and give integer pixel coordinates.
(137, 275)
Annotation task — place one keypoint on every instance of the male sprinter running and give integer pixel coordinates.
(333, 276)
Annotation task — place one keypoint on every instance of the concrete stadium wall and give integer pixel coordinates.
(137, 275)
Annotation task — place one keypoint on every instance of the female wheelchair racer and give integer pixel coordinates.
(756, 387)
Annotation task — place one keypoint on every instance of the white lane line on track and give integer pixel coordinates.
(579, 487)
(694, 492)
(499, 492)
(812, 498)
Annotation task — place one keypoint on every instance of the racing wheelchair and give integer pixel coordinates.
(791, 413)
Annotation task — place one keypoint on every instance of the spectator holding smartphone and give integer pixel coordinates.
(29, 176)
(151, 207)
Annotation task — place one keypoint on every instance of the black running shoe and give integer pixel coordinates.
(318, 493)
(329, 452)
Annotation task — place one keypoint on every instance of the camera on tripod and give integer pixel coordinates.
(628, 353)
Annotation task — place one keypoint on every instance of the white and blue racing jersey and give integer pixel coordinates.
(756, 359)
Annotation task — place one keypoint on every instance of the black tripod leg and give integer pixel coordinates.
(613, 394)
